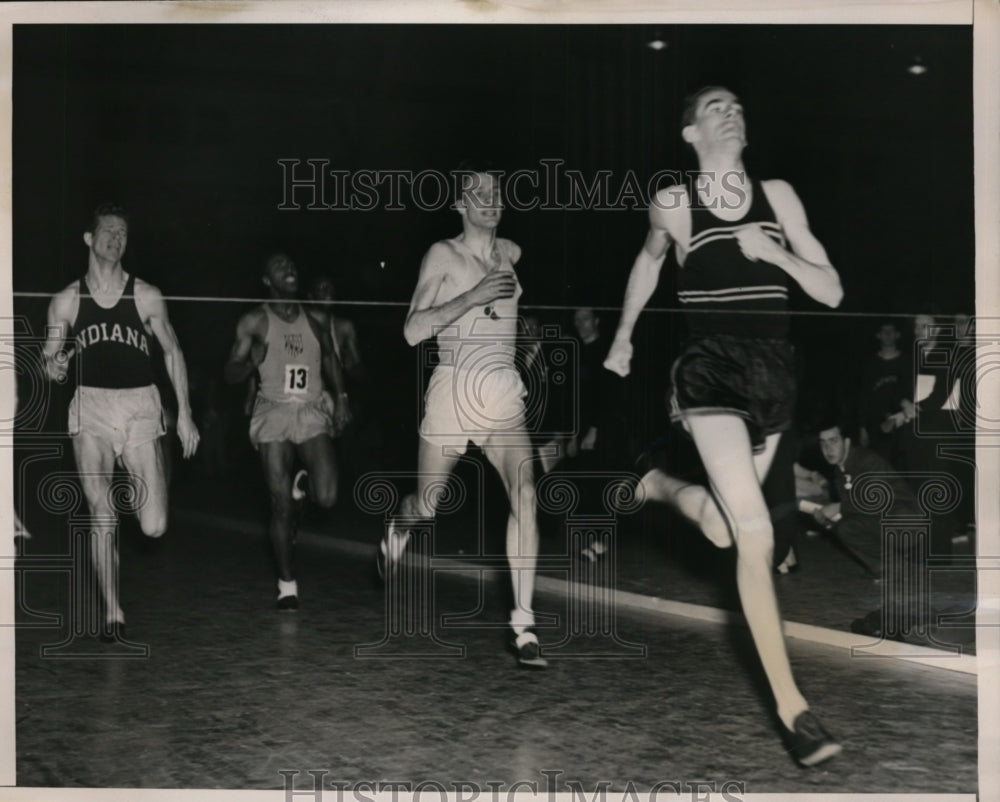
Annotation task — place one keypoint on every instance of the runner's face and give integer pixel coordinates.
(832, 444)
(719, 119)
(481, 203)
(283, 276)
(323, 290)
(109, 238)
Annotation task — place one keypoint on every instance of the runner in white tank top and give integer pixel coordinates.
(290, 349)
(466, 297)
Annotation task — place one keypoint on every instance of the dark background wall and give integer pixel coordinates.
(185, 125)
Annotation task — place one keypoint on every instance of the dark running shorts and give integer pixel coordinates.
(751, 378)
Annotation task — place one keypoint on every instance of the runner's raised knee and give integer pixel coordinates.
(153, 525)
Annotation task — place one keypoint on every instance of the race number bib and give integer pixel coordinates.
(296, 379)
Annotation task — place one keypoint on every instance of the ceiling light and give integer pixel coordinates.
(657, 42)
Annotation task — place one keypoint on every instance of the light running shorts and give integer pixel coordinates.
(291, 421)
(130, 416)
(463, 405)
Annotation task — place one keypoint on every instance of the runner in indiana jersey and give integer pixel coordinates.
(109, 317)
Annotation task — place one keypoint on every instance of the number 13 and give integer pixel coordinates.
(297, 378)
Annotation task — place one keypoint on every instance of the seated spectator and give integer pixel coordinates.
(810, 486)
(859, 531)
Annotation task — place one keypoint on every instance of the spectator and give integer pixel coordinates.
(578, 417)
(927, 391)
(884, 384)
(859, 531)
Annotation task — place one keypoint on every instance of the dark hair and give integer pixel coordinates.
(691, 102)
(835, 422)
(105, 210)
(468, 168)
(320, 279)
(265, 262)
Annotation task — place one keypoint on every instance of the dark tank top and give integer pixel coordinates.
(726, 292)
(111, 344)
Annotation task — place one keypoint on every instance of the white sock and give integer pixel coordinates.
(396, 541)
(520, 620)
(287, 588)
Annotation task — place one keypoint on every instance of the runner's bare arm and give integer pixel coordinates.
(642, 280)
(430, 310)
(153, 312)
(59, 319)
(248, 349)
(807, 261)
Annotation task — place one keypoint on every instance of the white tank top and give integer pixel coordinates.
(291, 370)
(485, 337)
